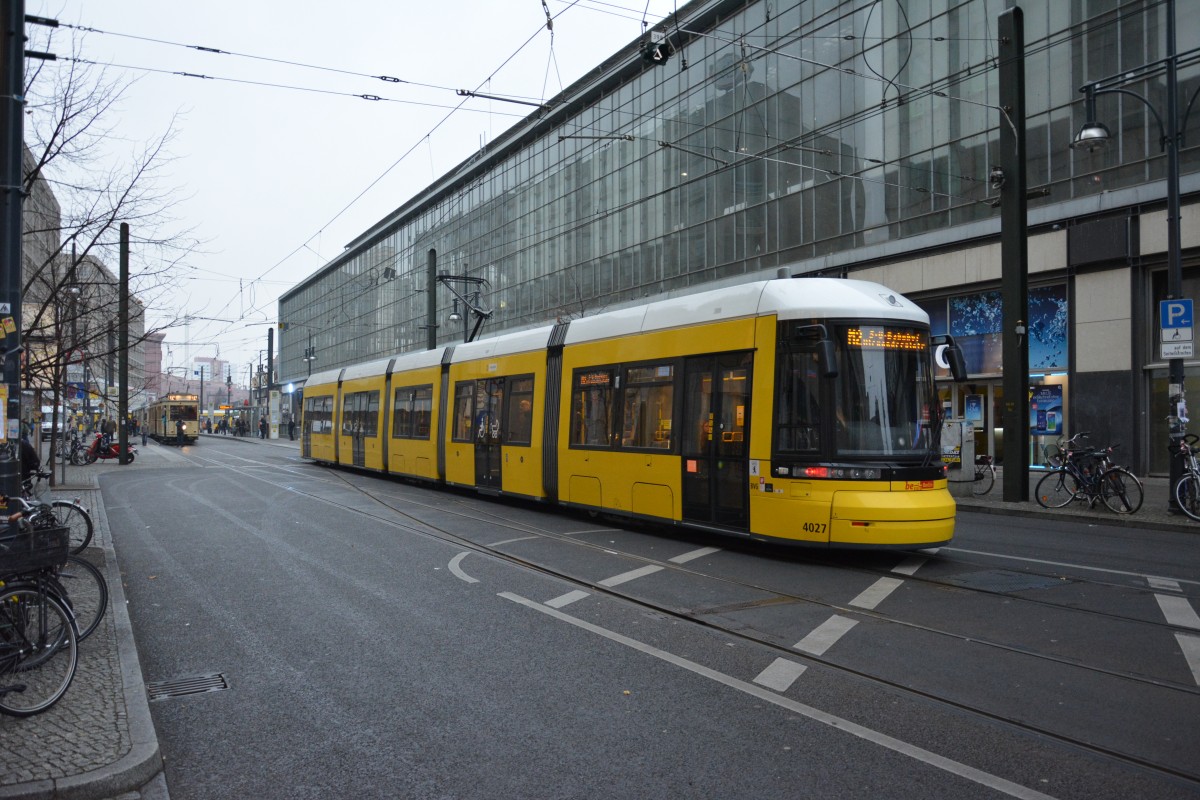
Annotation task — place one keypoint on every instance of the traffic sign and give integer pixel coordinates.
(1176, 332)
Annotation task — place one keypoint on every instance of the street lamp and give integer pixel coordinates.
(471, 302)
(1094, 135)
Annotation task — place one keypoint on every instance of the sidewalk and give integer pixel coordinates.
(1152, 515)
(99, 742)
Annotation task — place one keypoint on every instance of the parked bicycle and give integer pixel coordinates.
(69, 513)
(39, 638)
(1087, 475)
(1187, 488)
(79, 583)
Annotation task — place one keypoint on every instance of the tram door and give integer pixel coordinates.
(716, 440)
(489, 404)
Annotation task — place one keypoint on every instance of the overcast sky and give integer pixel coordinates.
(277, 181)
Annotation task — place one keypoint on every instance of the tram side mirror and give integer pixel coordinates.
(950, 356)
(827, 358)
(826, 352)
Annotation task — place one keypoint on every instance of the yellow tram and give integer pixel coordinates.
(162, 415)
(798, 410)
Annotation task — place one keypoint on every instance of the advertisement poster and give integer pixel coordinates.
(1045, 410)
(973, 410)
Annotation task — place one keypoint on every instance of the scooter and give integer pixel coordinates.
(98, 450)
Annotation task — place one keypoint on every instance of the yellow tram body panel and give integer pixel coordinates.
(639, 482)
(360, 431)
(318, 426)
(520, 464)
(884, 513)
(412, 450)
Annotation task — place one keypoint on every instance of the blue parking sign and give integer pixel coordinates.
(1175, 313)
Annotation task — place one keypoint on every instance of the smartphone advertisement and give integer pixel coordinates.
(1045, 410)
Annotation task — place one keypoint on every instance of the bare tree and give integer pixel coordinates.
(78, 197)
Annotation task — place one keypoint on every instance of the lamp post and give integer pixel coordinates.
(310, 355)
(1094, 135)
(470, 301)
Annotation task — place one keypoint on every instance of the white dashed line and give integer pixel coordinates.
(1178, 611)
(692, 556)
(825, 636)
(567, 599)
(780, 674)
(876, 593)
(633, 574)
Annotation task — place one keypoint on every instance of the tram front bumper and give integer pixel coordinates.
(898, 517)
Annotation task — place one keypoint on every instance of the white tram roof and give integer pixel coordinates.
(505, 344)
(789, 298)
(786, 298)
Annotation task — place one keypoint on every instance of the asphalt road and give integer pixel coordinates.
(379, 639)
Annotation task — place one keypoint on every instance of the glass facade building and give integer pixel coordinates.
(819, 136)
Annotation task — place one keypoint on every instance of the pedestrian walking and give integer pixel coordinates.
(292, 428)
(262, 427)
(179, 432)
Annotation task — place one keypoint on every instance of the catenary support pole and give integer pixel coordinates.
(1014, 255)
(12, 116)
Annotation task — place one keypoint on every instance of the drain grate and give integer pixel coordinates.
(1004, 581)
(182, 687)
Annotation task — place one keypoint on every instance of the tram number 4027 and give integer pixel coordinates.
(813, 527)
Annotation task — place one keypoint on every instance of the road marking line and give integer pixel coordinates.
(876, 593)
(825, 635)
(692, 556)
(910, 565)
(457, 570)
(1191, 651)
(633, 574)
(823, 717)
(1163, 584)
(780, 675)
(1178, 611)
(510, 541)
(1051, 563)
(567, 599)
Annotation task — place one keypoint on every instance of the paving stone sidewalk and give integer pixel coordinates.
(98, 742)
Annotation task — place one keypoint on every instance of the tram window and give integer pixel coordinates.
(464, 411)
(318, 414)
(369, 413)
(591, 408)
(648, 406)
(797, 402)
(411, 412)
(519, 427)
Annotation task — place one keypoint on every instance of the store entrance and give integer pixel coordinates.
(982, 401)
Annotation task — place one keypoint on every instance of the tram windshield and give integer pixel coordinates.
(884, 393)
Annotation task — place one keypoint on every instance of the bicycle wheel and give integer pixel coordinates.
(985, 478)
(33, 624)
(1056, 489)
(1187, 494)
(1122, 492)
(79, 456)
(74, 516)
(87, 593)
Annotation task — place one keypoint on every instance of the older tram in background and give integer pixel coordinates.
(162, 415)
(799, 410)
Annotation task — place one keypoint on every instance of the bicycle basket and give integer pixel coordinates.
(33, 549)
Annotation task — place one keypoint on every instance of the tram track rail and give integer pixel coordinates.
(387, 511)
